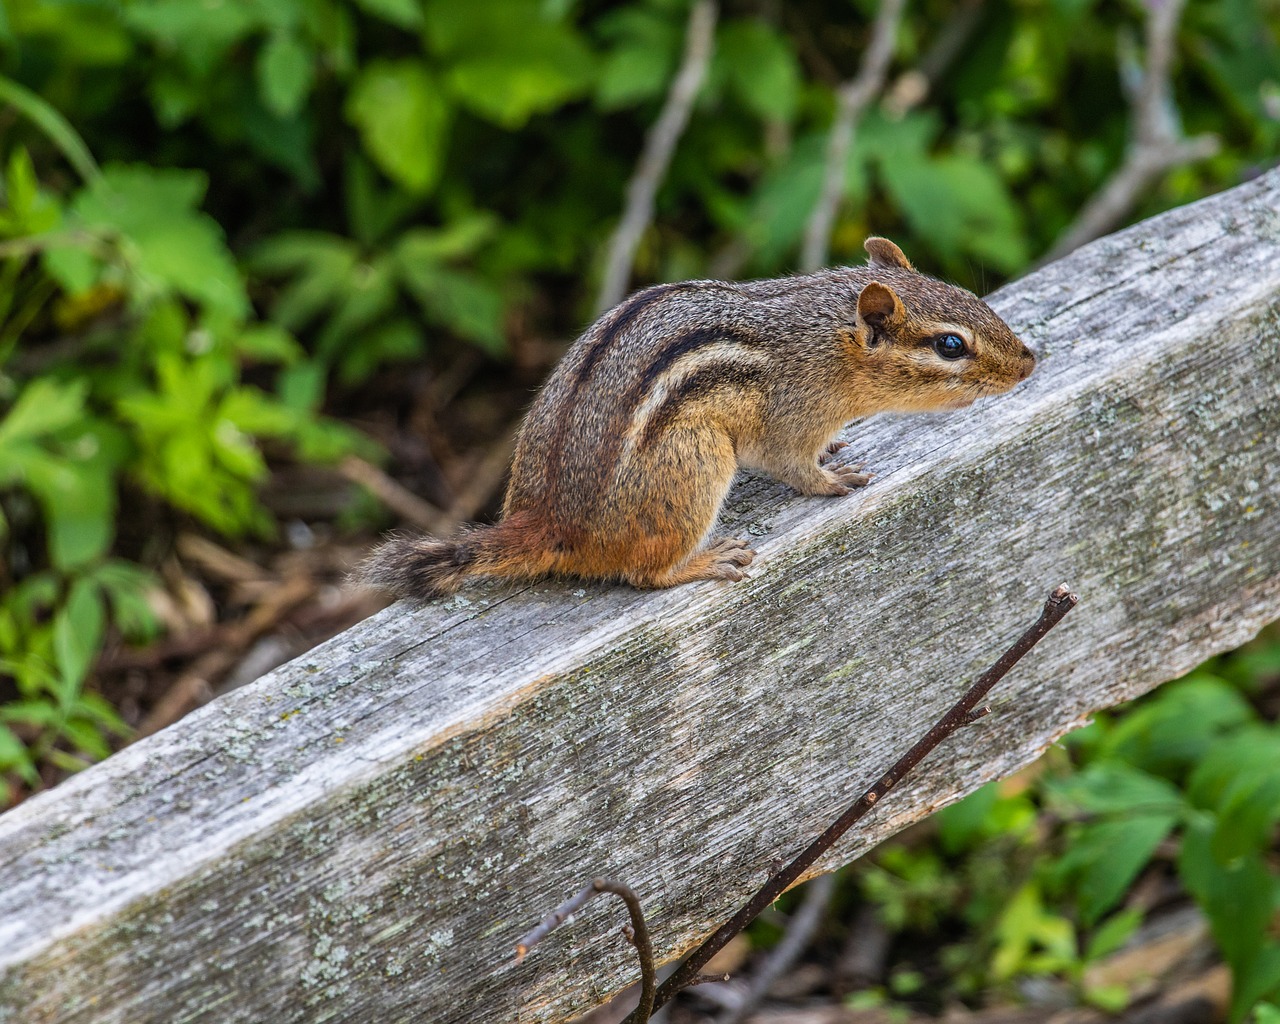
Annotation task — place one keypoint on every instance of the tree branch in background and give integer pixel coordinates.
(638, 934)
(1157, 143)
(659, 145)
(804, 922)
(963, 712)
(852, 100)
(403, 502)
(913, 86)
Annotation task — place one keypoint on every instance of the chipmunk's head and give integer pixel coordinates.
(931, 345)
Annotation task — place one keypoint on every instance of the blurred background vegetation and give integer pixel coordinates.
(277, 274)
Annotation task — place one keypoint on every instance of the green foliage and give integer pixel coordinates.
(153, 395)
(295, 195)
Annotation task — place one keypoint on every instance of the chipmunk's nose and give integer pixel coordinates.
(1028, 363)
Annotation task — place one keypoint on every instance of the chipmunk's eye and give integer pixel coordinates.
(949, 346)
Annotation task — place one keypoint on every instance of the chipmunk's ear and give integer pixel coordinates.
(885, 254)
(879, 306)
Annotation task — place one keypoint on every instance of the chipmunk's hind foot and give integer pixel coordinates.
(722, 560)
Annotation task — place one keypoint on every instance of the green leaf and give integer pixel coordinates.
(1108, 998)
(86, 738)
(403, 119)
(40, 713)
(373, 209)
(761, 68)
(1266, 1013)
(286, 71)
(43, 407)
(96, 709)
(507, 61)
(984, 813)
(284, 142)
(126, 586)
(1177, 726)
(79, 506)
(961, 205)
(1137, 811)
(268, 343)
(633, 73)
(397, 341)
(77, 636)
(368, 294)
(55, 127)
(646, 50)
(1114, 788)
(1105, 857)
(323, 265)
(1024, 927)
(170, 246)
(302, 385)
(461, 301)
(786, 196)
(1239, 778)
(1239, 899)
(460, 238)
(198, 35)
(14, 757)
(30, 211)
(1113, 933)
(73, 266)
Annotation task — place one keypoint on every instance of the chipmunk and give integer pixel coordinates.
(630, 447)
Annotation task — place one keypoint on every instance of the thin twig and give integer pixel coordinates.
(804, 922)
(1058, 604)
(852, 100)
(1157, 143)
(639, 934)
(655, 158)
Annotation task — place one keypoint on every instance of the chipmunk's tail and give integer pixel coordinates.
(425, 567)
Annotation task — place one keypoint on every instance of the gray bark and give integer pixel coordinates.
(363, 834)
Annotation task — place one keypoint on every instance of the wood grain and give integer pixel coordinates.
(363, 834)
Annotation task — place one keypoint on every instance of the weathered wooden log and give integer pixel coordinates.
(363, 834)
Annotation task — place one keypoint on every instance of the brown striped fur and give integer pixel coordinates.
(630, 447)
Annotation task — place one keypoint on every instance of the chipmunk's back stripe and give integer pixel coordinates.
(700, 383)
(682, 345)
(623, 316)
(662, 363)
(620, 318)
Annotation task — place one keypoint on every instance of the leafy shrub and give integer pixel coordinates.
(145, 385)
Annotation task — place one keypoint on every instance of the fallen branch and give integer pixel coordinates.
(655, 158)
(963, 712)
